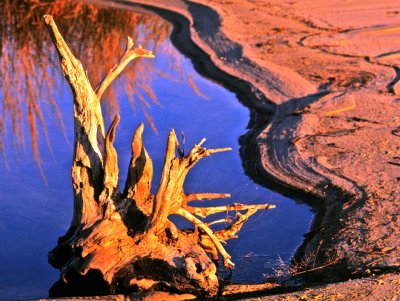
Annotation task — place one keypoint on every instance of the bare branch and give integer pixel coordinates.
(67, 59)
(111, 158)
(206, 211)
(200, 143)
(219, 221)
(87, 166)
(231, 231)
(199, 224)
(198, 148)
(205, 196)
(130, 54)
(140, 172)
(209, 152)
(84, 96)
(162, 201)
(198, 152)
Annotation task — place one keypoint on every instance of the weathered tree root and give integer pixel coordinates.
(124, 242)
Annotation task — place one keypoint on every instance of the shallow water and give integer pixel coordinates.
(34, 214)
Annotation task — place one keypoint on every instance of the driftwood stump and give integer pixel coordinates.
(122, 242)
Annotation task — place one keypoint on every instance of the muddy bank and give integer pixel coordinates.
(320, 80)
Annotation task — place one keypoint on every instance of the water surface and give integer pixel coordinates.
(164, 93)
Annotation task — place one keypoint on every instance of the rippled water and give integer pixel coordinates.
(35, 185)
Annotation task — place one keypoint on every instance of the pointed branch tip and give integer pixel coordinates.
(111, 130)
(139, 130)
(201, 142)
(129, 43)
(218, 150)
(48, 19)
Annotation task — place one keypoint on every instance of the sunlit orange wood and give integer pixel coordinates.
(119, 242)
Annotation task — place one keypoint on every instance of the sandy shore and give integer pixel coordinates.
(321, 80)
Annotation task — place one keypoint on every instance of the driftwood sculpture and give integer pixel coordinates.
(122, 242)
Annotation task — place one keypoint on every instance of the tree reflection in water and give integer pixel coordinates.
(28, 74)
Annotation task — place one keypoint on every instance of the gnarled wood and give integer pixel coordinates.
(124, 242)
(140, 174)
(87, 166)
(111, 158)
